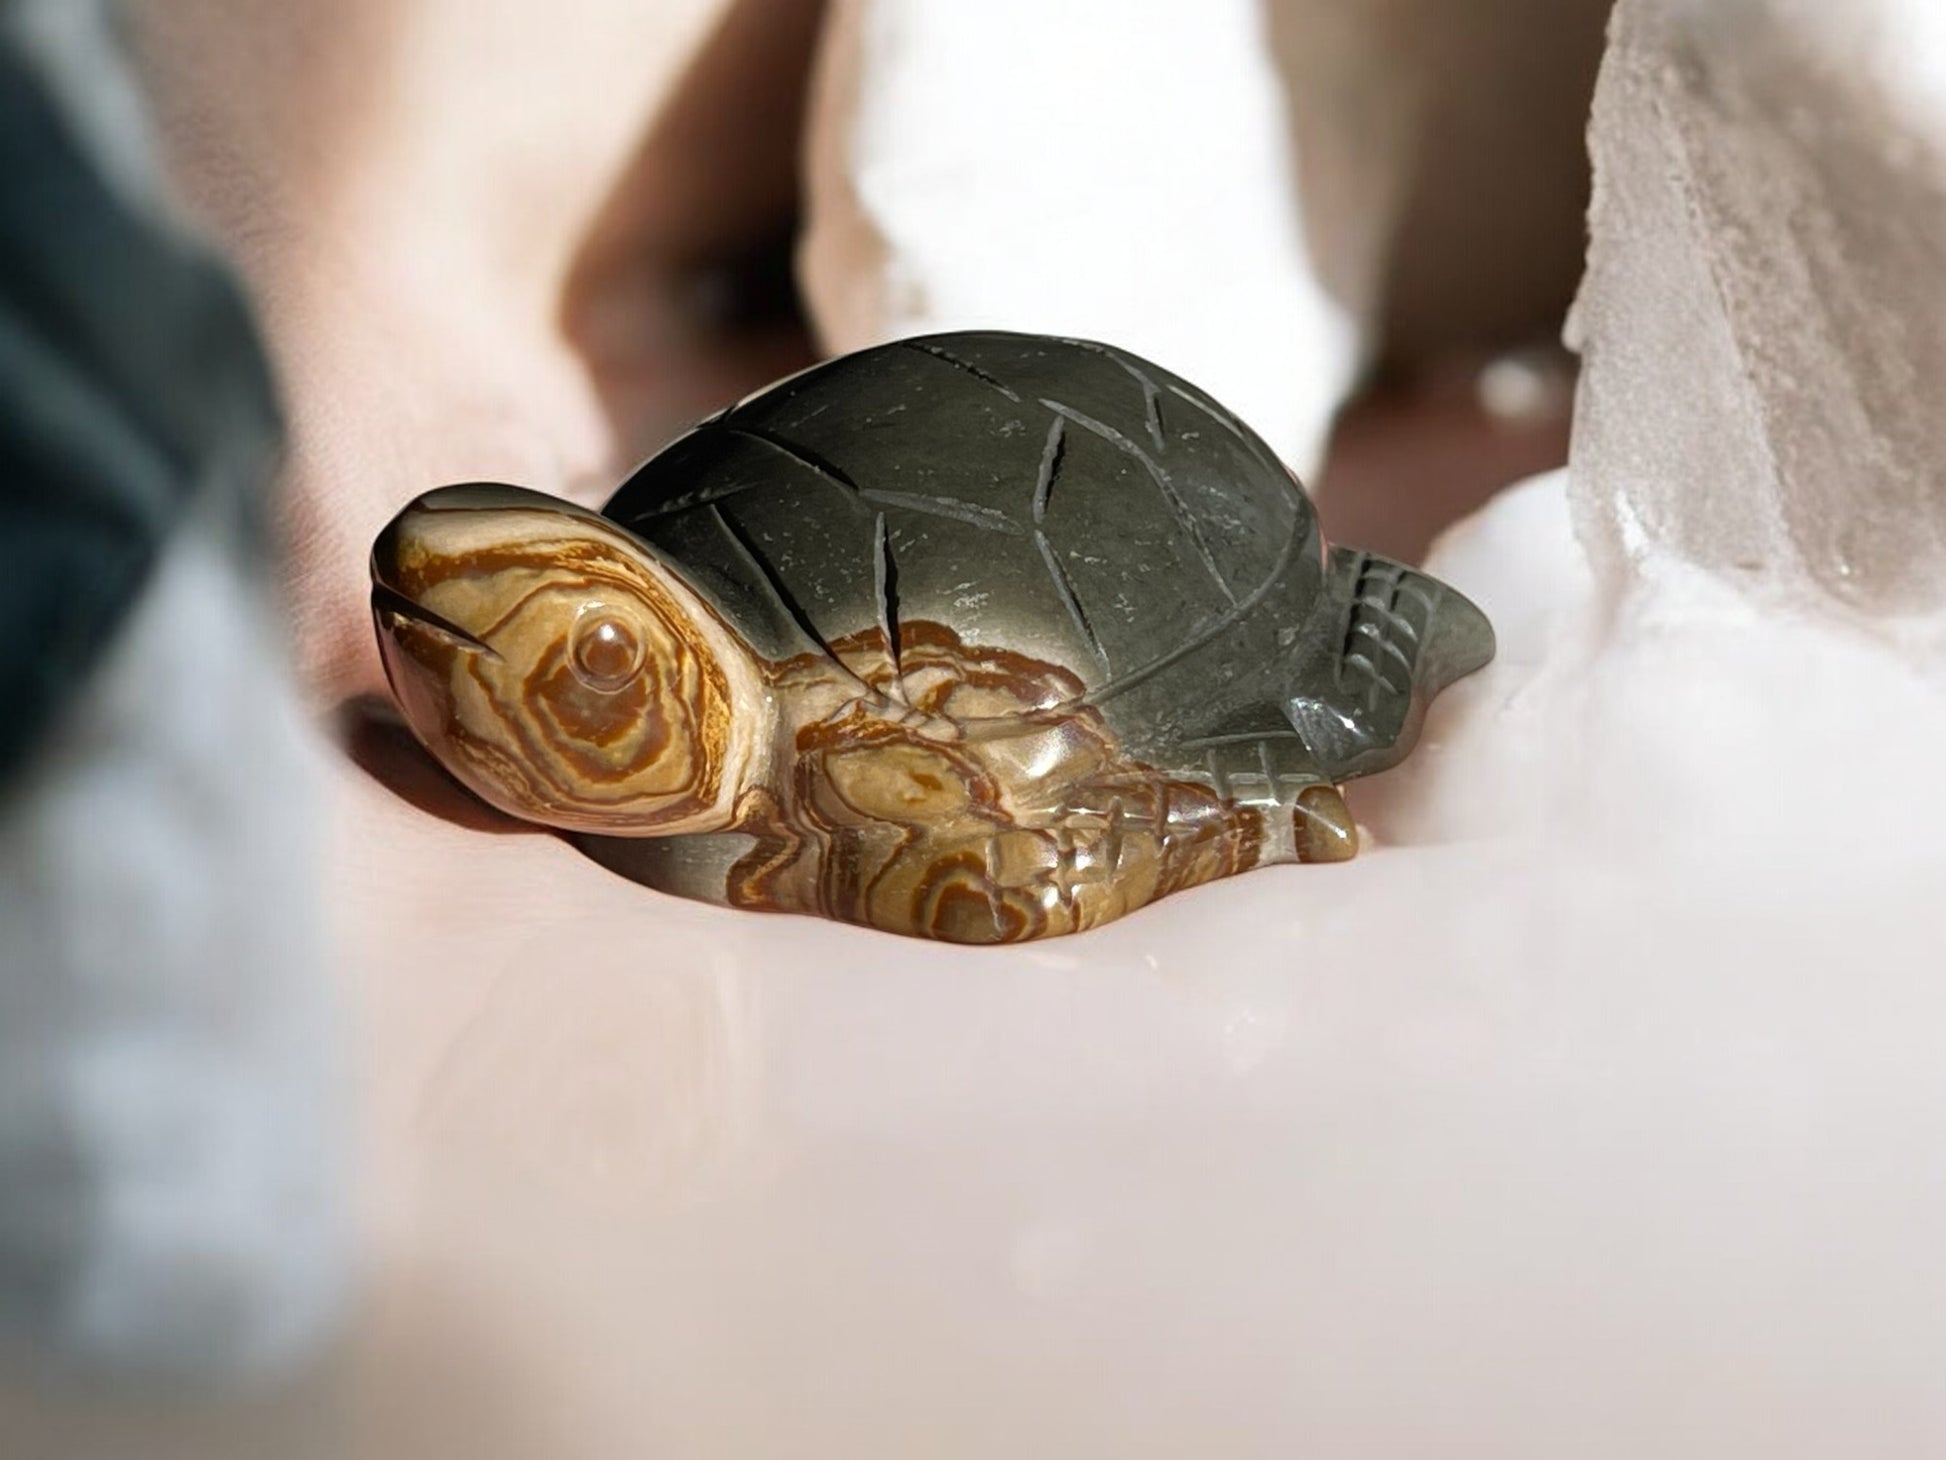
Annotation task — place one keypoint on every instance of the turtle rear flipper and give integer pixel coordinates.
(1255, 758)
(1401, 637)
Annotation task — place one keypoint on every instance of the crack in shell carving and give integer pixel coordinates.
(980, 637)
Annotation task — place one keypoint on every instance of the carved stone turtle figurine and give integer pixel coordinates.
(979, 636)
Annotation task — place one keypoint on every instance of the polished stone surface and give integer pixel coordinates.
(981, 637)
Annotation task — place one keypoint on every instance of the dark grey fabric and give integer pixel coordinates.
(131, 380)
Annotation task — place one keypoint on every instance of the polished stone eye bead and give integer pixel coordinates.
(607, 653)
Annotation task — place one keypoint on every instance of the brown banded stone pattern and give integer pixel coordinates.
(948, 801)
(535, 719)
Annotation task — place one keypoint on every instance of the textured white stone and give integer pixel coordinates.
(1112, 169)
(1744, 679)
(1764, 348)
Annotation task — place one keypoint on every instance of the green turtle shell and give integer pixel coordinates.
(1054, 498)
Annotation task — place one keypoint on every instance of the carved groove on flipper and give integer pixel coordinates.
(1401, 637)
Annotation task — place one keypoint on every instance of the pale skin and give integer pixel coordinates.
(436, 275)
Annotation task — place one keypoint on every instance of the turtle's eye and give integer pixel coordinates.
(605, 652)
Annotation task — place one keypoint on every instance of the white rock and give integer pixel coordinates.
(1763, 342)
(1745, 674)
(1098, 168)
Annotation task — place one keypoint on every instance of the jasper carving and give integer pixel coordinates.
(981, 637)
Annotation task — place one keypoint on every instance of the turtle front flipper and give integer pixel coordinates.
(1256, 759)
(1395, 638)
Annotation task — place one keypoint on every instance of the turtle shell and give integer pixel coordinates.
(1054, 498)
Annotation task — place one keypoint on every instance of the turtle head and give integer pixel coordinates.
(561, 670)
